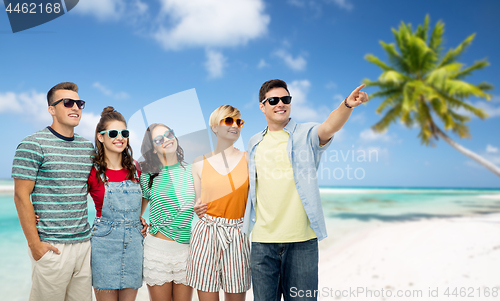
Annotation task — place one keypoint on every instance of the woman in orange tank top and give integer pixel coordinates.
(219, 257)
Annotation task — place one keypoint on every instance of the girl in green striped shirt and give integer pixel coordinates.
(167, 186)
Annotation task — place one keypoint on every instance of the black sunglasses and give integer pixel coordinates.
(275, 100)
(69, 103)
(114, 133)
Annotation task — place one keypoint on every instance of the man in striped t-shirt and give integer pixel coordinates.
(52, 166)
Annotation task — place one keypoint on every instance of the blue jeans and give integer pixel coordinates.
(288, 269)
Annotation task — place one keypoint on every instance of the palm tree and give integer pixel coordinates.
(420, 85)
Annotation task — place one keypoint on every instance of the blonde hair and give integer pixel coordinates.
(221, 113)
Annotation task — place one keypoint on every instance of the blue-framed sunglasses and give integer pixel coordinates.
(158, 140)
(114, 133)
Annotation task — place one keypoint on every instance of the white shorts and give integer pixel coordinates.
(219, 257)
(164, 261)
(66, 276)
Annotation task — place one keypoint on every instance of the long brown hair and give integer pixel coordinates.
(152, 163)
(99, 158)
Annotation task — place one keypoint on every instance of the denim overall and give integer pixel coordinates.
(116, 242)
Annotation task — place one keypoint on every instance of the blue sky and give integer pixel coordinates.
(131, 53)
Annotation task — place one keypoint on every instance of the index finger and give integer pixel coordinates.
(358, 88)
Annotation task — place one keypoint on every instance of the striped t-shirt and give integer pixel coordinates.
(171, 202)
(60, 167)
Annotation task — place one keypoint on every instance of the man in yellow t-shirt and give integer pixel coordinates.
(284, 206)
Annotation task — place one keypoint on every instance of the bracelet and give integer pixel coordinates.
(345, 102)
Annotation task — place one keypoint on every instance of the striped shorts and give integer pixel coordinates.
(219, 256)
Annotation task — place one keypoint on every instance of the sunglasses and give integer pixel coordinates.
(114, 133)
(160, 139)
(275, 100)
(229, 121)
(69, 103)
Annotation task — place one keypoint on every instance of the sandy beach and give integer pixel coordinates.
(432, 259)
(401, 246)
(452, 259)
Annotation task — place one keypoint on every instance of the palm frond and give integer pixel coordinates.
(455, 103)
(424, 118)
(392, 77)
(394, 57)
(381, 85)
(437, 37)
(459, 118)
(438, 76)
(375, 60)
(484, 86)
(478, 65)
(391, 97)
(461, 89)
(418, 83)
(462, 131)
(422, 30)
(390, 116)
(453, 54)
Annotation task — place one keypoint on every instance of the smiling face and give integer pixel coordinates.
(62, 116)
(227, 132)
(113, 145)
(168, 147)
(276, 116)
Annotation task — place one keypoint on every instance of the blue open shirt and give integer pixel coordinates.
(304, 152)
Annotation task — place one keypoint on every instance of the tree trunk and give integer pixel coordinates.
(492, 167)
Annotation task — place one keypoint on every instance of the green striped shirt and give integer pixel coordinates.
(60, 167)
(171, 202)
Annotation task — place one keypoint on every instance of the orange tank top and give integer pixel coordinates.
(225, 195)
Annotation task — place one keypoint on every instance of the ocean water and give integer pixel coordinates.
(345, 209)
(403, 204)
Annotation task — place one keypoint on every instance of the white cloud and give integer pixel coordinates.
(331, 85)
(298, 63)
(87, 125)
(32, 108)
(262, 64)
(140, 7)
(492, 107)
(298, 3)
(302, 109)
(215, 63)
(344, 4)
(358, 117)
(180, 24)
(369, 135)
(212, 23)
(9, 103)
(338, 97)
(376, 153)
(317, 5)
(492, 157)
(108, 92)
(101, 9)
(491, 149)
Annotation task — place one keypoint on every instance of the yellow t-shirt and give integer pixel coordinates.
(280, 213)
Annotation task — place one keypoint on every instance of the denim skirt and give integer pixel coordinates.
(116, 242)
